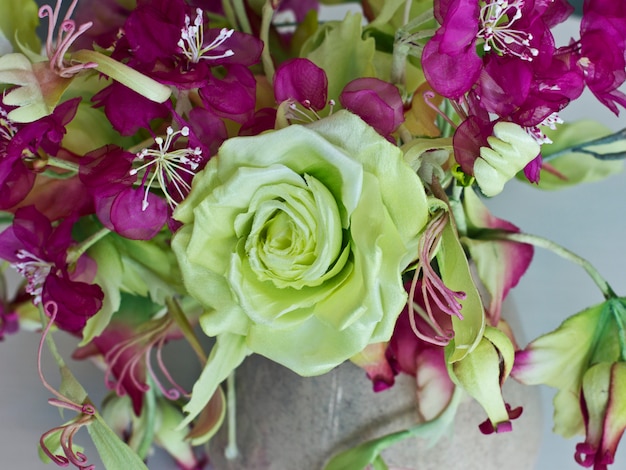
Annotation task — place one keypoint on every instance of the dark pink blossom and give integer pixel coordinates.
(603, 58)
(40, 252)
(263, 120)
(126, 347)
(19, 141)
(106, 172)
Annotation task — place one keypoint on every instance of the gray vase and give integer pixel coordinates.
(287, 422)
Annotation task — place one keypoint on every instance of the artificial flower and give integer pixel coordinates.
(303, 189)
(40, 252)
(312, 254)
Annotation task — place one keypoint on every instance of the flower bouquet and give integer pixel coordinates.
(304, 190)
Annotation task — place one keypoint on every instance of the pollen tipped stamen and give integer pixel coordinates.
(497, 18)
(165, 167)
(66, 36)
(192, 39)
(34, 270)
(536, 133)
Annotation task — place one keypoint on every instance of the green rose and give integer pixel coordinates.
(295, 242)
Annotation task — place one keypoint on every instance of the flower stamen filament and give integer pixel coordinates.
(497, 18)
(192, 39)
(167, 166)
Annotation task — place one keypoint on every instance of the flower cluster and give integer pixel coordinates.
(305, 190)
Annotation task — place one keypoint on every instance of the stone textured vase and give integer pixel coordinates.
(287, 422)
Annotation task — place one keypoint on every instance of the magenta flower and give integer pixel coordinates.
(375, 101)
(603, 52)
(513, 36)
(126, 349)
(19, 145)
(182, 52)
(42, 254)
(126, 210)
(425, 361)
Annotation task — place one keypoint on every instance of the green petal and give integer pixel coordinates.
(510, 150)
(228, 353)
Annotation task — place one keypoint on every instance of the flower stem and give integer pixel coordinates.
(541, 242)
(75, 252)
(185, 327)
(229, 12)
(148, 415)
(63, 164)
(266, 58)
(231, 452)
(242, 17)
(621, 329)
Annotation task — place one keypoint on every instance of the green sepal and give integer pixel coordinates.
(16, 69)
(482, 372)
(510, 150)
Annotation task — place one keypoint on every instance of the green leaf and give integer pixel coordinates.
(583, 152)
(114, 453)
(338, 48)
(455, 273)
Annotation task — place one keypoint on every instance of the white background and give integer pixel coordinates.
(589, 219)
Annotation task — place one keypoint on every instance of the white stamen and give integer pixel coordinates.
(497, 18)
(549, 122)
(192, 39)
(167, 166)
(34, 270)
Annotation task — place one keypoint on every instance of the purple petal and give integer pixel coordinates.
(468, 138)
(127, 110)
(303, 81)
(130, 221)
(76, 301)
(377, 102)
(450, 75)
(263, 120)
(232, 97)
